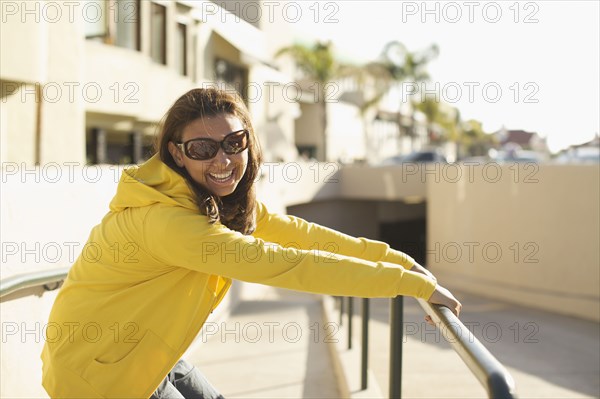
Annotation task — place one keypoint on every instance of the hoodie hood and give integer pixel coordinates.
(150, 183)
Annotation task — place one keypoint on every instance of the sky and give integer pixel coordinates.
(531, 65)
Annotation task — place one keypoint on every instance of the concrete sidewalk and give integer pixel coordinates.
(271, 346)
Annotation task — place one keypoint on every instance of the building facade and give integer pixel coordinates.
(89, 81)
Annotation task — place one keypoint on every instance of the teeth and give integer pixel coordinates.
(221, 176)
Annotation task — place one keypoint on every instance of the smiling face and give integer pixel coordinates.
(219, 175)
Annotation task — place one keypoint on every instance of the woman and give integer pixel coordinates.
(180, 227)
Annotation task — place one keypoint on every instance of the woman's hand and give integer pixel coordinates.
(441, 296)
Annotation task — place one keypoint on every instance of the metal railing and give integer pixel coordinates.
(21, 285)
(492, 375)
(487, 369)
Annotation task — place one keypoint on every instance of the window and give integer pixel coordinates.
(114, 22)
(232, 75)
(158, 33)
(181, 49)
(127, 24)
(96, 23)
(106, 146)
(307, 152)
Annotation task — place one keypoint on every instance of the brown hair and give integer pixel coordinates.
(236, 210)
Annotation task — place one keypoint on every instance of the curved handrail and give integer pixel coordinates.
(23, 281)
(489, 371)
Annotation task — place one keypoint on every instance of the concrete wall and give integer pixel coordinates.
(132, 84)
(19, 120)
(389, 183)
(524, 235)
(16, 22)
(358, 218)
(46, 55)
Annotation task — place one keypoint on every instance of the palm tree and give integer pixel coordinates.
(394, 66)
(474, 141)
(440, 115)
(316, 63)
(406, 66)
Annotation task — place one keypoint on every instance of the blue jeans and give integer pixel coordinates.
(185, 382)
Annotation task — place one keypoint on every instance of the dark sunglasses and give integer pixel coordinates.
(203, 149)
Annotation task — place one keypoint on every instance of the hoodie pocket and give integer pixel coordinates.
(137, 374)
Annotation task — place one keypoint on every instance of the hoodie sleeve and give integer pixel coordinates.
(291, 231)
(181, 238)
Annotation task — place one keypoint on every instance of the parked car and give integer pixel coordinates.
(579, 155)
(416, 157)
(517, 156)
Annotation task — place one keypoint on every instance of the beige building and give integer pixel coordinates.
(87, 82)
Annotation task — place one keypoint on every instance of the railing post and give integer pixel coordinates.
(365, 344)
(396, 321)
(342, 304)
(350, 312)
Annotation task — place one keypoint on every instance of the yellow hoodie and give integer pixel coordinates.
(154, 268)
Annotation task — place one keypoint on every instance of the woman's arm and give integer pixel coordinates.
(287, 230)
(181, 238)
(291, 231)
(420, 269)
